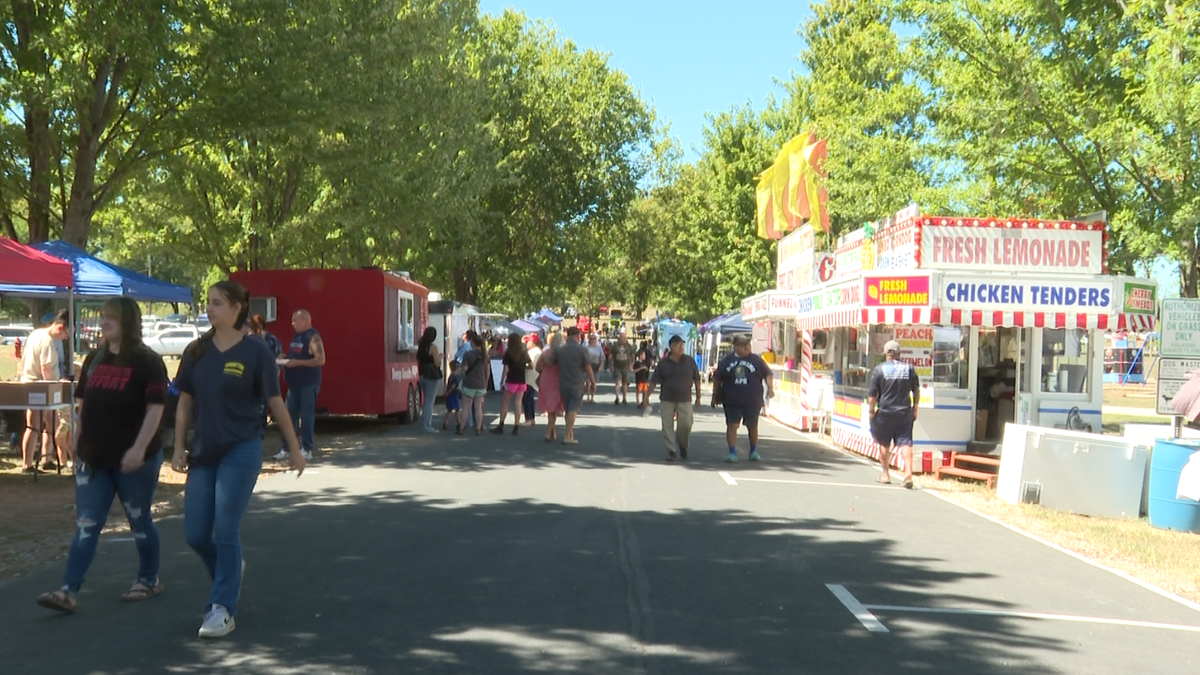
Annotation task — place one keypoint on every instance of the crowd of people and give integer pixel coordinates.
(229, 381)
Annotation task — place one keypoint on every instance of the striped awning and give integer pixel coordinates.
(1136, 322)
(915, 316)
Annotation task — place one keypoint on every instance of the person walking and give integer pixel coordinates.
(516, 363)
(531, 378)
(256, 326)
(677, 374)
(431, 376)
(224, 379)
(549, 398)
(892, 400)
(642, 365)
(596, 360)
(476, 368)
(622, 354)
(738, 385)
(302, 372)
(575, 376)
(118, 452)
(40, 363)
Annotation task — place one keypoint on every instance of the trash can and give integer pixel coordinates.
(1166, 463)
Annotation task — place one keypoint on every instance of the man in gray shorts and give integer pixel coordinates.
(574, 373)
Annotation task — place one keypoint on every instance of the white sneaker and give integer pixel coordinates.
(217, 623)
(280, 456)
(307, 455)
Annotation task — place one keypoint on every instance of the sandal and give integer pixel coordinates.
(141, 591)
(885, 480)
(60, 600)
(908, 483)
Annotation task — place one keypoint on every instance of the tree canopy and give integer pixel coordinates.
(503, 165)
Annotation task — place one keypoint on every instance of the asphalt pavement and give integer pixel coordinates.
(400, 552)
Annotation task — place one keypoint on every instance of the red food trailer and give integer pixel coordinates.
(370, 321)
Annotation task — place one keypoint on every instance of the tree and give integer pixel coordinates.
(103, 87)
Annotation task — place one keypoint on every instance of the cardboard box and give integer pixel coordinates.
(34, 393)
(981, 424)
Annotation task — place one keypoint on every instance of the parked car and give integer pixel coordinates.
(172, 341)
(160, 326)
(176, 318)
(10, 334)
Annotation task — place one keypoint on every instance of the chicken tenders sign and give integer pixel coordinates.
(1013, 246)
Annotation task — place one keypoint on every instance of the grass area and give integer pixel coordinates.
(8, 364)
(1166, 559)
(1114, 422)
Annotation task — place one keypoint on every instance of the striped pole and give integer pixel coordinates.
(805, 373)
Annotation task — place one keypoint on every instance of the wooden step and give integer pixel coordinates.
(989, 478)
(967, 458)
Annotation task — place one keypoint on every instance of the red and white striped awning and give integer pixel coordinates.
(851, 316)
(915, 316)
(1136, 322)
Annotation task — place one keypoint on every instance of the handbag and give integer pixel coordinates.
(431, 371)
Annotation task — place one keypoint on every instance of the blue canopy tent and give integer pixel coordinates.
(727, 324)
(95, 279)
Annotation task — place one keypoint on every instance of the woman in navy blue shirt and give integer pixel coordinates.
(226, 379)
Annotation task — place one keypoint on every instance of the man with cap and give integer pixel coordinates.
(677, 374)
(892, 405)
(738, 385)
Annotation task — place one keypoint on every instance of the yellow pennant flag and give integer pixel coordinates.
(765, 209)
(779, 187)
(797, 172)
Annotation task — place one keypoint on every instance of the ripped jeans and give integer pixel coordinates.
(94, 491)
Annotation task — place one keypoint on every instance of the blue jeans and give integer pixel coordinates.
(94, 491)
(213, 506)
(428, 393)
(302, 408)
(529, 403)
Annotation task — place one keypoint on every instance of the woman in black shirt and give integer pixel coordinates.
(117, 451)
(516, 362)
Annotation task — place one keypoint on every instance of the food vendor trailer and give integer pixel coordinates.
(1004, 321)
(370, 321)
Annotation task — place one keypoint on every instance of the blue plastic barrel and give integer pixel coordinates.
(1166, 463)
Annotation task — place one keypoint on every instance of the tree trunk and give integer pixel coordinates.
(466, 285)
(77, 222)
(33, 60)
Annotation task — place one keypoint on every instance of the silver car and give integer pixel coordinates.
(172, 341)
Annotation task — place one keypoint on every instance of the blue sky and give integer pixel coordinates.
(686, 57)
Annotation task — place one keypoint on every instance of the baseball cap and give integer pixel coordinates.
(674, 339)
(891, 346)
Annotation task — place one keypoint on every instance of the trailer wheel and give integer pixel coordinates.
(414, 406)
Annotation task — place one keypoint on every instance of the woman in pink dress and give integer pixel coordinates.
(549, 401)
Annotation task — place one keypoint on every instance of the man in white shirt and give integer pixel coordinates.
(40, 363)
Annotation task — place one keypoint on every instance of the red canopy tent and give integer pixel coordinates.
(20, 264)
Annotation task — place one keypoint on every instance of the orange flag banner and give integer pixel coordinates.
(818, 195)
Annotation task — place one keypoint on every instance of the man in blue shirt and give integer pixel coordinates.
(302, 372)
(892, 405)
(738, 385)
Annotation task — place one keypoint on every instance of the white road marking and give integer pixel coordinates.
(1128, 577)
(1031, 615)
(860, 612)
(874, 463)
(728, 479)
(817, 482)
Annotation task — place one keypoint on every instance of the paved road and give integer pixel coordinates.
(404, 553)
